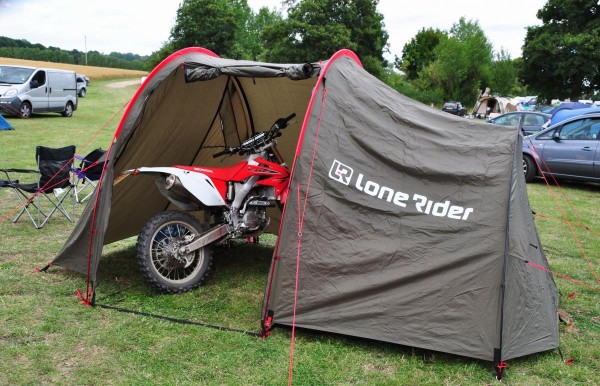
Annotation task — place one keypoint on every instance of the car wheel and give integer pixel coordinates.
(68, 110)
(25, 110)
(529, 168)
(82, 93)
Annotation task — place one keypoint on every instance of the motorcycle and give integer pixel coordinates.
(174, 248)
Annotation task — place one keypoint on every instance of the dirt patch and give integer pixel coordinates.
(124, 83)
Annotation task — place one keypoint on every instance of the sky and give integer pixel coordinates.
(141, 27)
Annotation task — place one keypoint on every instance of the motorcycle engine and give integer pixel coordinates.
(255, 218)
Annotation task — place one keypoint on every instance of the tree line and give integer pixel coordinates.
(561, 57)
(23, 49)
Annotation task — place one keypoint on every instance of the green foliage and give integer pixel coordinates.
(463, 62)
(22, 49)
(454, 65)
(227, 27)
(212, 24)
(248, 44)
(315, 29)
(503, 74)
(413, 90)
(420, 51)
(561, 58)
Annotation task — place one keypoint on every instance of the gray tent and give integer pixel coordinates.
(403, 224)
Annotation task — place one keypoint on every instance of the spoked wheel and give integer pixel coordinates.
(159, 260)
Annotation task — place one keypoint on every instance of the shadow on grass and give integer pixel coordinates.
(229, 298)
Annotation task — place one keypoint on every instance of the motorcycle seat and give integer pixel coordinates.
(225, 173)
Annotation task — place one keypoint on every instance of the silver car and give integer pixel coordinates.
(568, 150)
(82, 83)
(529, 122)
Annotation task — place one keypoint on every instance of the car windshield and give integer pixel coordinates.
(14, 75)
(450, 105)
(507, 120)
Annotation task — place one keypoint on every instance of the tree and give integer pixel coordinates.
(227, 27)
(503, 78)
(462, 64)
(316, 29)
(250, 41)
(211, 24)
(420, 51)
(561, 58)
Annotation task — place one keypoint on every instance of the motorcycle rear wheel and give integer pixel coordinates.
(158, 261)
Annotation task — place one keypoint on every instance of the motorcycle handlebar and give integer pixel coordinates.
(228, 150)
(290, 117)
(259, 138)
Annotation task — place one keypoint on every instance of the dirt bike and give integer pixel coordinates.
(174, 248)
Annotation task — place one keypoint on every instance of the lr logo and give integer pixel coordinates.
(340, 172)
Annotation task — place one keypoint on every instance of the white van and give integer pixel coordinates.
(28, 90)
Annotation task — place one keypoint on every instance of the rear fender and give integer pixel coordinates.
(198, 184)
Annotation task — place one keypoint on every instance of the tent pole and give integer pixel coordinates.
(499, 364)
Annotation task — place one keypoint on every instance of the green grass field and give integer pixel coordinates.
(47, 337)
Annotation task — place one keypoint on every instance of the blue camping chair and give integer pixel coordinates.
(88, 173)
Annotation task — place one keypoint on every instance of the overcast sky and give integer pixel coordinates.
(141, 26)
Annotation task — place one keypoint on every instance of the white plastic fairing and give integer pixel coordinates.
(198, 184)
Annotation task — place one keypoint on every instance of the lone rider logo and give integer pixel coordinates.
(417, 202)
(340, 172)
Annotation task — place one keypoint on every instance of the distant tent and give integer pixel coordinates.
(568, 106)
(4, 125)
(415, 225)
(491, 106)
(564, 114)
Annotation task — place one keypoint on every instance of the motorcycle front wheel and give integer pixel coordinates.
(158, 257)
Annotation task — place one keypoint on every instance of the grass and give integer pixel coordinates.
(47, 337)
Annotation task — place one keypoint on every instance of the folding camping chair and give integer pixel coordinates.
(53, 183)
(88, 173)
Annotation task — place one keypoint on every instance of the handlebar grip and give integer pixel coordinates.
(226, 151)
(290, 117)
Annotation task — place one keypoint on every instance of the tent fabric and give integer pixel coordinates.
(410, 222)
(568, 106)
(414, 224)
(564, 114)
(172, 121)
(491, 106)
(4, 125)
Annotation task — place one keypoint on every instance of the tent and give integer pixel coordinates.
(568, 106)
(407, 225)
(491, 106)
(4, 125)
(564, 114)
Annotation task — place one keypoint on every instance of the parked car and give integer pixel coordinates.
(567, 150)
(528, 122)
(30, 90)
(455, 108)
(82, 84)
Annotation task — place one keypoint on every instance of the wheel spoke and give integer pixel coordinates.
(159, 254)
